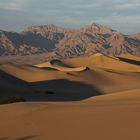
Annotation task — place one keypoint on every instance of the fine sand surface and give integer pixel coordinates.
(107, 117)
(107, 91)
(69, 79)
(58, 65)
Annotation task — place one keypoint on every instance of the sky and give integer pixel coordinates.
(121, 15)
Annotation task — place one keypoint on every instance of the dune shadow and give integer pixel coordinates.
(60, 63)
(49, 68)
(113, 71)
(65, 90)
(12, 87)
(21, 138)
(52, 90)
(135, 62)
(26, 138)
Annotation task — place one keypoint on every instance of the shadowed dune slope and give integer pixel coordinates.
(14, 87)
(65, 90)
(53, 90)
(130, 59)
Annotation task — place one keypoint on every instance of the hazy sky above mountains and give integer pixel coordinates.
(122, 15)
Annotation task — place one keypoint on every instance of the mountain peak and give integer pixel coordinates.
(66, 42)
(98, 28)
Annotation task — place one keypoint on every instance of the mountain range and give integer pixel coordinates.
(65, 42)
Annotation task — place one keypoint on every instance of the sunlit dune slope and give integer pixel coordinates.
(30, 73)
(102, 61)
(58, 65)
(120, 97)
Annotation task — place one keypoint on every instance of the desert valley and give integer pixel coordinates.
(69, 84)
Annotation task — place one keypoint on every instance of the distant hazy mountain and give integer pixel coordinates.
(68, 42)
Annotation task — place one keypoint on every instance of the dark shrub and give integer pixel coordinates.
(49, 92)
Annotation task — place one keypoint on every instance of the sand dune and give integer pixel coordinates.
(131, 57)
(58, 65)
(114, 116)
(107, 91)
(30, 73)
(103, 62)
(70, 79)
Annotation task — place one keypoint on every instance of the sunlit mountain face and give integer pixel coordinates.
(66, 42)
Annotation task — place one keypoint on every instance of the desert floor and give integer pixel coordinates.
(92, 98)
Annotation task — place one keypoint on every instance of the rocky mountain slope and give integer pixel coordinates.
(65, 42)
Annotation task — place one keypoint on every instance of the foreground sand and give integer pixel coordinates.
(112, 115)
(107, 117)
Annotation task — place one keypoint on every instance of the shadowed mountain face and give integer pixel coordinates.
(68, 42)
